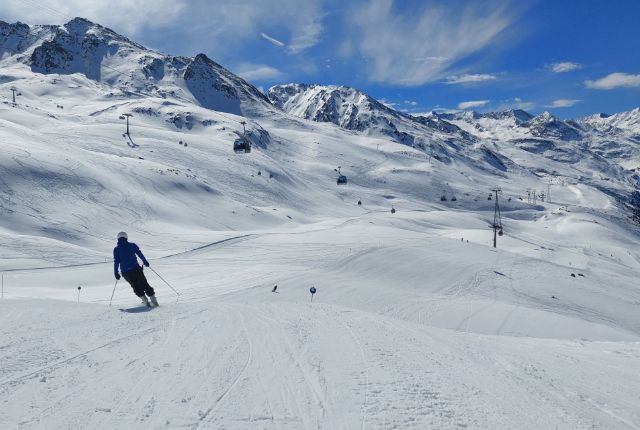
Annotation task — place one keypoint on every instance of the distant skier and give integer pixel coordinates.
(124, 257)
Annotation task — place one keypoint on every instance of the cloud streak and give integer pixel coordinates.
(564, 67)
(473, 104)
(388, 103)
(563, 103)
(613, 81)
(258, 72)
(271, 39)
(437, 36)
(470, 78)
(307, 33)
(515, 103)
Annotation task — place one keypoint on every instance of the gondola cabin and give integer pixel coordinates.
(241, 145)
(342, 180)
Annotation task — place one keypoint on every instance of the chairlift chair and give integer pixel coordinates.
(342, 180)
(453, 199)
(443, 198)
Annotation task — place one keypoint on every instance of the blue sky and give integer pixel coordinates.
(572, 57)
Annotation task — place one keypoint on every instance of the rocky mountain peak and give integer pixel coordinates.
(352, 109)
(101, 54)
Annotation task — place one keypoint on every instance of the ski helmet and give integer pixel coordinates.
(123, 234)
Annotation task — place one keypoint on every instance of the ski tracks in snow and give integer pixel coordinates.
(207, 417)
(290, 366)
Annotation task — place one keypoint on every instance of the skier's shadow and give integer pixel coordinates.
(136, 310)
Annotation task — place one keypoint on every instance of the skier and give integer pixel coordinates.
(124, 256)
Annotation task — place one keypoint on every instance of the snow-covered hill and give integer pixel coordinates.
(100, 54)
(418, 322)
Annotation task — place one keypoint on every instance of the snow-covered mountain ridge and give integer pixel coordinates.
(81, 46)
(354, 110)
(546, 125)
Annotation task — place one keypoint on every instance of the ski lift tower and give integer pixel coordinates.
(497, 219)
(13, 92)
(126, 116)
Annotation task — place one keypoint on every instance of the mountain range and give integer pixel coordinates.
(615, 137)
(125, 70)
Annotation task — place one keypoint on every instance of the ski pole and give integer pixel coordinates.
(113, 292)
(163, 280)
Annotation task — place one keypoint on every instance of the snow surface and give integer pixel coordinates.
(417, 323)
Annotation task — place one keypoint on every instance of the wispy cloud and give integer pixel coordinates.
(307, 33)
(258, 72)
(518, 103)
(470, 78)
(614, 80)
(438, 35)
(437, 109)
(432, 59)
(271, 39)
(515, 103)
(563, 67)
(388, 103)
(473, 104)
(563, 103)
(411, 102)
(199, 25)
(122, 15)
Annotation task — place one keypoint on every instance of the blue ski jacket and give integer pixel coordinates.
(124, 255)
